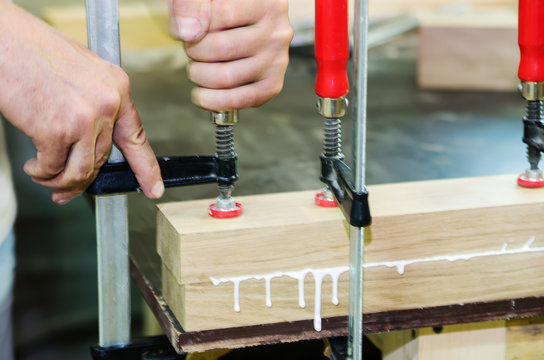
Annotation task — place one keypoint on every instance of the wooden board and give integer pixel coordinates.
(143, 30)
(498, 340)
(469, 240)
(474, 49)
(525, 339)
(140, 26)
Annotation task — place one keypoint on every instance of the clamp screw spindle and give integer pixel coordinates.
(534, 112)
(225, 206)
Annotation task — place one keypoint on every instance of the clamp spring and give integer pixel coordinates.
(224, 141)
(332, 146)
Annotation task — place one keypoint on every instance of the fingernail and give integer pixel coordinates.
(157, 190)
(61, 201)
(188, 28)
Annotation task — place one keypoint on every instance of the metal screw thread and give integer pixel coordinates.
(225, 195)
(224, 141)
(224, 147)
(332, 146)
(533, 155)
(534, 112)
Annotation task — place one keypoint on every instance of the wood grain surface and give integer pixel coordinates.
(431, 244)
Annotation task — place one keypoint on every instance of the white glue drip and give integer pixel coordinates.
(318, 275)
(299, 276)
(236, 282)
(334, 273)
(318, 278)
(301, 300)
(401, 264)
(268, 279)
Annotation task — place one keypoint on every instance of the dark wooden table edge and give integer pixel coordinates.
(185, 342)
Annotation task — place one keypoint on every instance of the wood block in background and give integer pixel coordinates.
(474, 49)
(520, 339)
(143, 30)
(432, 243)
(525, 339)
(139, 25)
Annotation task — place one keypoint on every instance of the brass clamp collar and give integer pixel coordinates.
(532, 91)
(225, 118)
(332, 107)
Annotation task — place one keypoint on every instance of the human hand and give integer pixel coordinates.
(72, 104)
(239, 49)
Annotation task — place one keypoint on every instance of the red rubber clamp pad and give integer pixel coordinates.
(528, 183)
(531, 40)
(323, 201)
(225, 214)
(331, 48)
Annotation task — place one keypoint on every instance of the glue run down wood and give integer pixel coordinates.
(334, 273)
(432, 243)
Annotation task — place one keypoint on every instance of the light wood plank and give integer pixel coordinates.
(277, 231)
(475, 49)
(140, 26)
(525, 339)
(459, 241)
(520, 339)
(481, 341)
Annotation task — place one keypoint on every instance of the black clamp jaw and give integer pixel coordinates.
(117, 178)
(338, 176)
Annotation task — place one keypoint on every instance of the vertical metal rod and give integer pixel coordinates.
(359, 91)
(111, 211)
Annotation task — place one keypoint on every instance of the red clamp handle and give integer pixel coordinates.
(531, 40)
(331, 48)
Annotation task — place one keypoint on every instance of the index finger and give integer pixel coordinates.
(130, 137)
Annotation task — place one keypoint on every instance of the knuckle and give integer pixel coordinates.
(110, 101)
(290, 34)
(139, 137)
(135, 138)
(101, 160)
(275, 89)
(269, 89)
(282, 61)
(284, 34)
(123, 79)
(54, 169)
(282, 5)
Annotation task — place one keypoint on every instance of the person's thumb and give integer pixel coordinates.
(189, 19)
